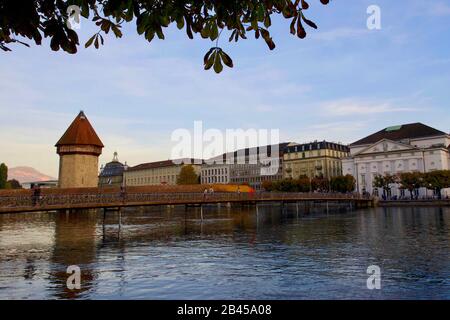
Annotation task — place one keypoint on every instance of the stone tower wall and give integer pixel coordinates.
(78, 171)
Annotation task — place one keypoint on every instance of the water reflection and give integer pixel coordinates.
(275, 253)
(74, 244)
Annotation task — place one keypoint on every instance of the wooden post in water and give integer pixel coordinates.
(257, 216)
(201, 212)
(296, 205)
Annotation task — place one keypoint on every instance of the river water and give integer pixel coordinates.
(169, 253)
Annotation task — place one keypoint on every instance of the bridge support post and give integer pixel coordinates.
(201, 212)
(296, 206)
(328, 207)
(120, 218)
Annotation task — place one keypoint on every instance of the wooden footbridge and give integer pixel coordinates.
(96, 199)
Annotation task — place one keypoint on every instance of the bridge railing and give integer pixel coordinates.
(123, 198)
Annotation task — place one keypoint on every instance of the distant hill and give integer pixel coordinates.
(27, 174)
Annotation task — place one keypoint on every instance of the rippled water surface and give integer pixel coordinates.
(233, 254)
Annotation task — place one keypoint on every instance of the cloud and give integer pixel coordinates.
(438, 8)
(335, 131)
(355, 107)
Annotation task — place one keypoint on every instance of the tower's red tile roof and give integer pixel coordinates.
(80, 132)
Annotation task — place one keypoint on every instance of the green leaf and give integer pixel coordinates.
(218, 67)
(232, 35)
(180, 23)
(206, 57)
(105, 26)
(149, 35)
(89, 42)
(301, 32)
(54, 43)
(267, 21)
(85, 10)
(214, 31)
(205, 32)
(160, 34)
(260, 12)
(292, 26)
(309, 22)
(226, 59)
(96, 45)
(210, 62)
(116, 31)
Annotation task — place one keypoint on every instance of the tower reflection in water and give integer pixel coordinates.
(75, 243)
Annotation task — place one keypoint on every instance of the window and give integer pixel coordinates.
(363, 179)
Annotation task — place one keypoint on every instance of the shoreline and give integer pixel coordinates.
(414, 203)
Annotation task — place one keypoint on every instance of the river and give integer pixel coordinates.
(169, 253)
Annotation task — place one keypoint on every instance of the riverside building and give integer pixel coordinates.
(158, 173)
(413, 147)
(315, 159)
(250, 166)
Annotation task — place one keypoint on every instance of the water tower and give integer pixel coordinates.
(79, 149)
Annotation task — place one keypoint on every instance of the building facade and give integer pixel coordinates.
(406, 148)
(47, 184)
(158, 173)
(79, 149)
(112, 173)
(250, 166)
(316, 159)
(215, 173)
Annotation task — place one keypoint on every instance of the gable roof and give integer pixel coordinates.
(406, 131)
(80, 132)
(397, 143)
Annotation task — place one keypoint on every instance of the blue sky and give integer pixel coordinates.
(341, 83)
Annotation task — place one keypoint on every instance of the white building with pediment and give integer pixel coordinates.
(406, 148)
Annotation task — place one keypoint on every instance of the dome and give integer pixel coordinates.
(113, 168)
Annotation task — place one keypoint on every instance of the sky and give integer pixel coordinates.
(342, 83)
